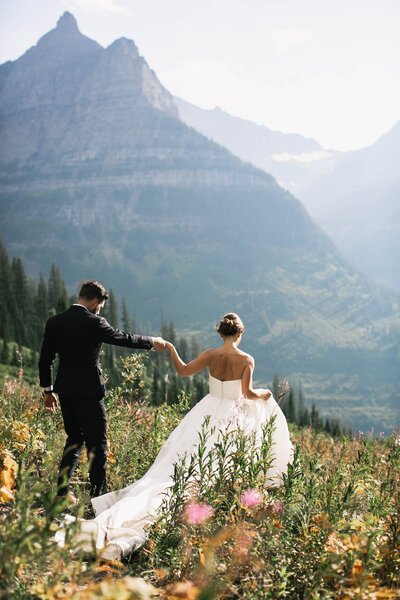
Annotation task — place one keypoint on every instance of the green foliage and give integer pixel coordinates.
(24, 305)
(332, 530)
(296, 412)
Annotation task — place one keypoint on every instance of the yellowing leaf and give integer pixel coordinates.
(182, 590)
(202, 557)
(6, 494)
(8, 461)
(357, 568)
(111, 458)
(161, 573)
(10, 470)
(19, 446)
(20, 432)
(110, 567)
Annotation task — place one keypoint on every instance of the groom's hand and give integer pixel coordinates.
(50, 402)
(159, 344)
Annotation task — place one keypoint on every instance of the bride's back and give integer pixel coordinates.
(228, 364)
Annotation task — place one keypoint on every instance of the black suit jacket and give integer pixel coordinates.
(76, 335)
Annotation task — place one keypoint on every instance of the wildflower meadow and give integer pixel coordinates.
(331, 530)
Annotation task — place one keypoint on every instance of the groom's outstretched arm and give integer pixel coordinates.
(116, 337)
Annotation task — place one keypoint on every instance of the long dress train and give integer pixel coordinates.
(122, 515)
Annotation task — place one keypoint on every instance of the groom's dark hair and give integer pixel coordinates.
(92, 289)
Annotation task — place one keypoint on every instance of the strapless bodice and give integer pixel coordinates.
(229, 390)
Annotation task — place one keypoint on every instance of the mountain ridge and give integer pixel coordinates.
(352, 195)
(127, 193)
(279, 154)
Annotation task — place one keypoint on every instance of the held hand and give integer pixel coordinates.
(50, 402)
(159, 345)
(266, 394)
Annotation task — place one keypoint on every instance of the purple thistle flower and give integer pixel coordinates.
(198, 513)
(251, 498)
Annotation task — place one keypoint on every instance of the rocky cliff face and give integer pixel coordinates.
(99, 176)
(68, 101)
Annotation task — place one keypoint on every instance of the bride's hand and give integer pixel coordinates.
(266, 394)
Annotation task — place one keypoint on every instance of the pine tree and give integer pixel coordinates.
(22, 302)
(62, 303)
(291, 407)
(5, 353)
(300, 407)
(126, 321)
(195, 348)
(327, 425)
(335, 427)
(57, 293)
(112, 306)
(183, 349)
(305, 417)
(168, 332)
(6, 328)
(314, 417)
(42, 300)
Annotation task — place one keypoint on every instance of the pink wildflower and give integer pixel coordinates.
(277, 507)
(251, 498)
(197, 513)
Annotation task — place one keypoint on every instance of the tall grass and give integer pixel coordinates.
(332, 530)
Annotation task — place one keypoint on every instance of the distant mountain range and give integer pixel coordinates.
(100, 175)
(358, 204)
(295, 161)
(354, 195)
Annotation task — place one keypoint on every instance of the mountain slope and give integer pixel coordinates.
(105, 180)
(352, 195)
(358, 206)
(295, 161)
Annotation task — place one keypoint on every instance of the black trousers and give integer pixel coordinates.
(85, 422)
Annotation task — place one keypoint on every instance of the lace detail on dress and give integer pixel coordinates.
(239, 406)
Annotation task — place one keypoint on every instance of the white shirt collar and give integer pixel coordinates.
(77, 304)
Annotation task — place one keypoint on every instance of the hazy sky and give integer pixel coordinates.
(327, 69)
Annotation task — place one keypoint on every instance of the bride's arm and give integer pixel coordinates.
(247, 384)
(196, 365)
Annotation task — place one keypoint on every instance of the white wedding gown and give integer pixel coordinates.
(121, 516)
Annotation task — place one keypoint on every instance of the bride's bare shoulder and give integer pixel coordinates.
(209, 353)
(247, 358)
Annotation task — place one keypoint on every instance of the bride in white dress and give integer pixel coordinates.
(122, 515)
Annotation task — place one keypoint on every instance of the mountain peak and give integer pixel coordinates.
(125, 46)
(67, 23)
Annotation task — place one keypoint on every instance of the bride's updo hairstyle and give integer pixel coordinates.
(230, 324)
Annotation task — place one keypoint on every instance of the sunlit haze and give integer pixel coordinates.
(328, 70)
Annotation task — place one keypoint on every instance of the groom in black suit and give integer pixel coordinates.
(76, 335)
